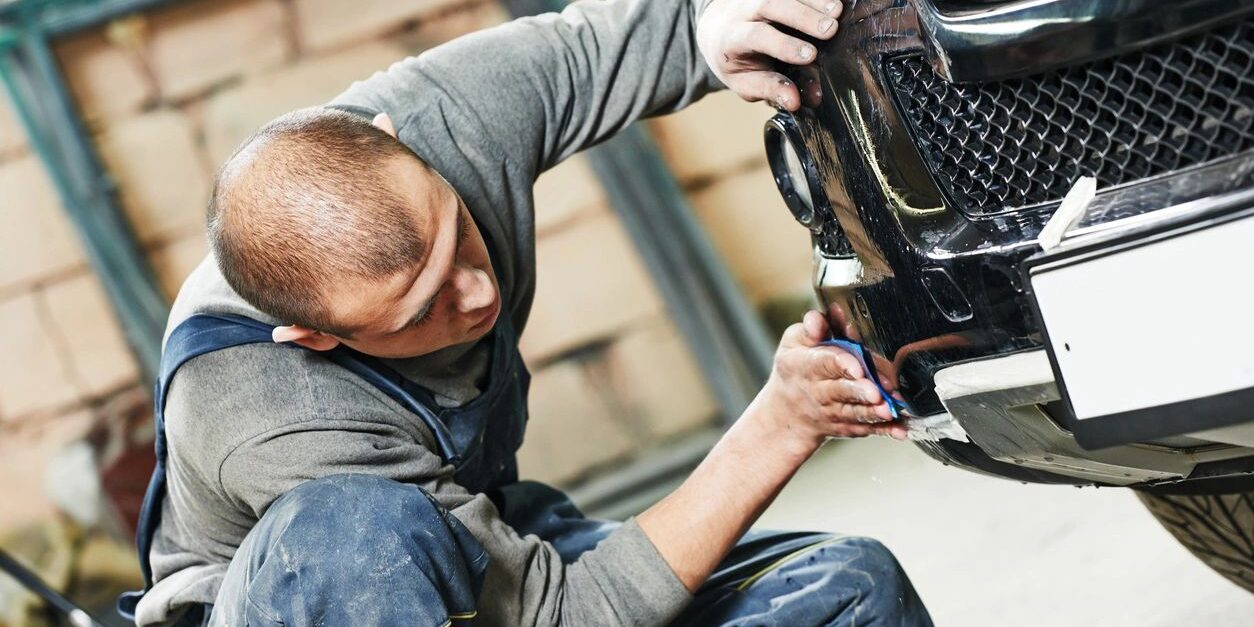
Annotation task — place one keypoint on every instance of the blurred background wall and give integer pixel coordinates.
(166, 95)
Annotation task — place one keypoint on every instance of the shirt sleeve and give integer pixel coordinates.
(541, 88)
(624, 580)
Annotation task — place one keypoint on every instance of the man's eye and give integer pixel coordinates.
(422, 318)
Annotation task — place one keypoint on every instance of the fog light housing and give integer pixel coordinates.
(798, 180)
(794, 171)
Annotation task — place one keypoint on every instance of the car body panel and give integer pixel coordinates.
(923, 285)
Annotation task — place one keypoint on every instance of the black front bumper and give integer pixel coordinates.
(934, 192)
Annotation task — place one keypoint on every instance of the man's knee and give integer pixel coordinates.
(868, 573)
(866, 562)
(353, 546)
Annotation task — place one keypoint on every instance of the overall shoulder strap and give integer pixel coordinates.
(202, 334)
(196, 336)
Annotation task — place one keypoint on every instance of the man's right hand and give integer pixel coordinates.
(817, 391)
(814, 392)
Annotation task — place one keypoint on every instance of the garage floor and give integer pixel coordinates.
(985, 551)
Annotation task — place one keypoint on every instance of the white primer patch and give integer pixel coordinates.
(935, 428)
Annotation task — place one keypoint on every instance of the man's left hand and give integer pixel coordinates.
(742, 41)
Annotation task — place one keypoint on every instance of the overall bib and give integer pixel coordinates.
(849, 579)
(479, 438)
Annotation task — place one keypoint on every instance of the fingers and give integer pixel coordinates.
(854, 413)
(766, 85)
(860, 392)
(897, 431)
(832, 8)
(894, 430)
(764, 38)
(801, 16)
(830, 362)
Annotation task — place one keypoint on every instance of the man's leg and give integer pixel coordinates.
(534, 508)
(352, 550)
(804, 579)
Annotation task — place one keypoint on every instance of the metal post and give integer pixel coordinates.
(55, 132)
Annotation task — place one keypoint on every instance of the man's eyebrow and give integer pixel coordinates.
(457, 251)
(461, 231)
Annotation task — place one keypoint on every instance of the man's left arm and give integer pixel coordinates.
(540, 89)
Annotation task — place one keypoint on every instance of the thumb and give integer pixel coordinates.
(816, 329)
(810, 332)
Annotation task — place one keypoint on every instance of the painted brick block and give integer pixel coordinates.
(12, 136)
(655, 375)
(36, 237)
(720, 132)
(590, 284)
(436, 29)
(98, 354)
(107, 81)
(571, 430)
(233, 114)
(324, 24)
(26, 451)
(566, 192)
(749, 224)
(34, 377)
(163, 182)
(197, 45)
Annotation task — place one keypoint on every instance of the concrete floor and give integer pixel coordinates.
(984, 551)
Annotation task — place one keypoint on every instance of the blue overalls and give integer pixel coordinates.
(433, 567)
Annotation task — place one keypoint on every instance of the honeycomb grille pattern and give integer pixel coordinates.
(1017, 143)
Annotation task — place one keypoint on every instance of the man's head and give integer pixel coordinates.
(327, 222)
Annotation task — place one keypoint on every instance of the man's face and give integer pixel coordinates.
(449, 296)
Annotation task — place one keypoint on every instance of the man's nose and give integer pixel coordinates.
(474, 289)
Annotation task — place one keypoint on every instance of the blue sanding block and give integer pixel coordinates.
(895, 406)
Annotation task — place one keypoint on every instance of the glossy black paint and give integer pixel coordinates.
(894, 217)
(926, 286)
(993, 40)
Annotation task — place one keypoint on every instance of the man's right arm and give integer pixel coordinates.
(814, 392)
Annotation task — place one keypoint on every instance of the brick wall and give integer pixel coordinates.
(168, 94)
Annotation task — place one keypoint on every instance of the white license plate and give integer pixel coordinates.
(1152, 323)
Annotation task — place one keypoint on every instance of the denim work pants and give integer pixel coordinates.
(385, 554)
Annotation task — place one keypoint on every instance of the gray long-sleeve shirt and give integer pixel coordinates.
(489, 112)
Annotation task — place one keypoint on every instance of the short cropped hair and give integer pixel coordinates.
(305, 203)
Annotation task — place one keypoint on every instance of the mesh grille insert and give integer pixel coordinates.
(1017, 143)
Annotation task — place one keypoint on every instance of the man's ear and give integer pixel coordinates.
(313, 340)
(384, 123)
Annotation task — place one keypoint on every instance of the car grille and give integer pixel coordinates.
(1017, 143)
